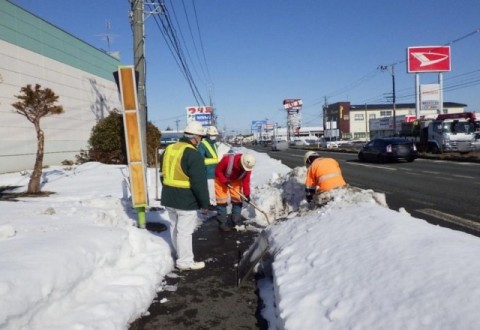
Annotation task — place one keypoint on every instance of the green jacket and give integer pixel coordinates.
(210, 169)
(195, 197)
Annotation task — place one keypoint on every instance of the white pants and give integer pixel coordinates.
(183, 224)
(211, 191)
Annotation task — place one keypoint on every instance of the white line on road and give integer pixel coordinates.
(374, 166)
(463, 176)
(451, 218)
(422, 202)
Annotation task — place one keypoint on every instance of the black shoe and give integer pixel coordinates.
(224, 228)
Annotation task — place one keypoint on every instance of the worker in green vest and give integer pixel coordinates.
(208, 149)
(184, 192)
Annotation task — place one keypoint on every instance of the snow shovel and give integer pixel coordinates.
(252, 257)
(250, 202)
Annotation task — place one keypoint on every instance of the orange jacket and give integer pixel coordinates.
(324, 174)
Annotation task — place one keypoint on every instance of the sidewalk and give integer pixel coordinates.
(208, 298)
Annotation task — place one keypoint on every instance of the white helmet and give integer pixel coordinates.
(212, 131)
(307, 155)
(194, 128)
(247, 161)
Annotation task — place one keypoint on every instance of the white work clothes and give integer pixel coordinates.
(182, 226)
(211, 191)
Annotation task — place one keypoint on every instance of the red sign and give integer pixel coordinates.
(197, 110)
(292, 104)
(428, 59)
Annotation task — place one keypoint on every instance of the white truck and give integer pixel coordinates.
(446, 133)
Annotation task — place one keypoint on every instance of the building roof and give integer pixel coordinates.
(387, 106)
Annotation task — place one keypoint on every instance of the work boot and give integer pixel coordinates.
(237, 219)
(222, 220)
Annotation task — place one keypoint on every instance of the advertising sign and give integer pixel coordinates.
(201, 114)
(430, 97)
(428, 59)
(292, 104)
(257, 125)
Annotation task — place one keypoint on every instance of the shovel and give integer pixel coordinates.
(250, 202)
(257, 250)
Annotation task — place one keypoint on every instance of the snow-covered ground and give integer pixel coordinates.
(75, 260)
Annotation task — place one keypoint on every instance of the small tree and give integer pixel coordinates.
(34, 104)
(107, 141)
(153, 143)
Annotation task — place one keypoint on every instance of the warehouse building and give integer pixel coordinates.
(33, 51)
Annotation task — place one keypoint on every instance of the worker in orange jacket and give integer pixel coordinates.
(323, 175)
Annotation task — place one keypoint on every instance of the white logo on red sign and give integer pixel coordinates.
(428, 59)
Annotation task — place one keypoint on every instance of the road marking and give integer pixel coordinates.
(451, 218)
(368, 165)
(463, 176)
(431, 172)
(421, 202)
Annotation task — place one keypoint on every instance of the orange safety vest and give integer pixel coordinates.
(324, 174)
(172, 171)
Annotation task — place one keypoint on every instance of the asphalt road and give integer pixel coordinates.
(442, 192)
(208, 298)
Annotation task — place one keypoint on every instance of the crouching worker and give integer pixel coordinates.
(323, 175)
(232, 178)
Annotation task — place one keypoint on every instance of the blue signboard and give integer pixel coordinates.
(204, 118)
(257, 125)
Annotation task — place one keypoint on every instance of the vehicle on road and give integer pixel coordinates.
(476, 143)
(279, 145)
(454, 132)
(382, 150)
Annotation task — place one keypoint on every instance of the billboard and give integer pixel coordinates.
(430, 97)
(428, 59)
(257, 125)
(292, 104)
(202, 114)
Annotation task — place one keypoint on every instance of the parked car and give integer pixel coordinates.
(279, 145)
(165, 141)
(387, 149)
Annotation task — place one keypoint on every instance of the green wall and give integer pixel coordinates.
(21, 28)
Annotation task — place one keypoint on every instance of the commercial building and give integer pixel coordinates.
(344, 121)
(33, 51)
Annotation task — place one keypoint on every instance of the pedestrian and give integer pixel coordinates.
(232, 178)
(323, 175)
(184, 192)
(208, 149)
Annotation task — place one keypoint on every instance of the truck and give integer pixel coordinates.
(453, 132)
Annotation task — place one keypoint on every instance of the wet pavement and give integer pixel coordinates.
(208, 298)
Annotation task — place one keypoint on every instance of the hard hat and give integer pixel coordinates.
(212, 130)
(194, 128)
(308, 154)
(247, 161)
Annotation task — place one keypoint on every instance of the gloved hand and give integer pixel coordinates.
(229, 185)
(309, 198)
(247, 199)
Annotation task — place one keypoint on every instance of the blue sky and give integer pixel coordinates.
(260, 52)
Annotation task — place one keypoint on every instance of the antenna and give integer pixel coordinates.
(107, 36)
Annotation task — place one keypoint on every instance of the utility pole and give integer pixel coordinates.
(392, 72)
(138, 27)
(176, 122)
